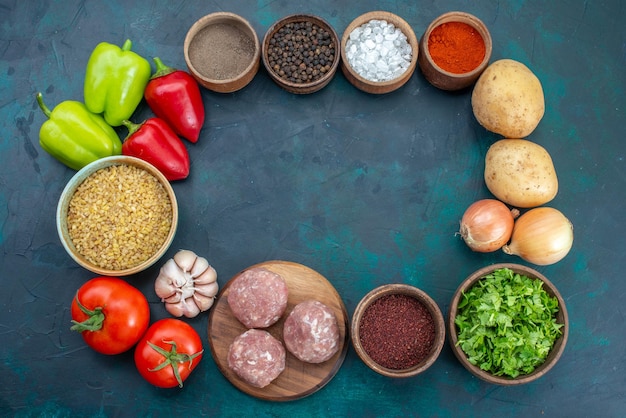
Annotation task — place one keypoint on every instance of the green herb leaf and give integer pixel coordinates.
(507, 323)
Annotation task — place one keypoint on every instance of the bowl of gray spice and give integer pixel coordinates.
(301, 53)
(222, 52)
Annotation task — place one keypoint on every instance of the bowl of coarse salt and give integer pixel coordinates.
(379, 52)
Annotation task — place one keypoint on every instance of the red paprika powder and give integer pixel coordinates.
(456, 47)
(397, 331)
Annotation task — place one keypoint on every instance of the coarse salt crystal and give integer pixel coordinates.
(378, 51)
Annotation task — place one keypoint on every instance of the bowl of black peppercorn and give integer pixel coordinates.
(301, 53)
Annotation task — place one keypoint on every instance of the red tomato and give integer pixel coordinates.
(110, 314)
(168, 353)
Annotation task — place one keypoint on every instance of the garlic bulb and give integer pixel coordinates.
(187, 284)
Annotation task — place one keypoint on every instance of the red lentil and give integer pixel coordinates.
(397, 331)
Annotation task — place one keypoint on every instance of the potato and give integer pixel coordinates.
(508, 99)
(521, 173)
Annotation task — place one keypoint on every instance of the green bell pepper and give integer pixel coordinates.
(75, 136)
(115, 81)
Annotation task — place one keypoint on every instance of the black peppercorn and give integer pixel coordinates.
(301, 52)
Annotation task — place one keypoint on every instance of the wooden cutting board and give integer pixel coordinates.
(299, 379)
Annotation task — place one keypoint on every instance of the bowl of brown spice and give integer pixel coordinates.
(398, 330)
(222, 52)
(117, 216)
(455, 50)
(379, 52)
(301, 53)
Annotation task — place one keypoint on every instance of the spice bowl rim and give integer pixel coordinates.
(228, 85)
(387, 86)
(556, 351)
(66, 197)
(426, 301)
(444, 79)
(300, 88)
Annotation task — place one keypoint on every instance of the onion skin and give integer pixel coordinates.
(541, 236)
(487, 225)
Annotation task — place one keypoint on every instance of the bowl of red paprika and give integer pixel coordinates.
(398, 330)
(222, 52)
(455, 49)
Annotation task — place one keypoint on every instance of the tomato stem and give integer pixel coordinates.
(92, 323)
(173, 358)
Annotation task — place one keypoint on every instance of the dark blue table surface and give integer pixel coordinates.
(365, 189)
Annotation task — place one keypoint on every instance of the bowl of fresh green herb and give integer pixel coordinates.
(507, 324)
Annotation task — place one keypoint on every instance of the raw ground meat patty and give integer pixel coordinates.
(311, 332)
(256, 357)
(258, 297)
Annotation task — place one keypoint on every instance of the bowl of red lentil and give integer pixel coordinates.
(523, 342)
(301, 53)
(117, 216)
(455, 50)
(398, 330)
(222, 52)
(379, 52)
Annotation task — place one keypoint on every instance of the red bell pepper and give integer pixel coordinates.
(155, 142)
(174, 96)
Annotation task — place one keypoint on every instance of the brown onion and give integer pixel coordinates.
(541, 236)
(487, 225)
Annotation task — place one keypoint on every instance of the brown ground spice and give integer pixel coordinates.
(397, 331)
(221, 51)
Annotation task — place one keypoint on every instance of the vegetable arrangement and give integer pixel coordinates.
(508, 99)
(116, 81)
(113, 317)
(507, 323)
